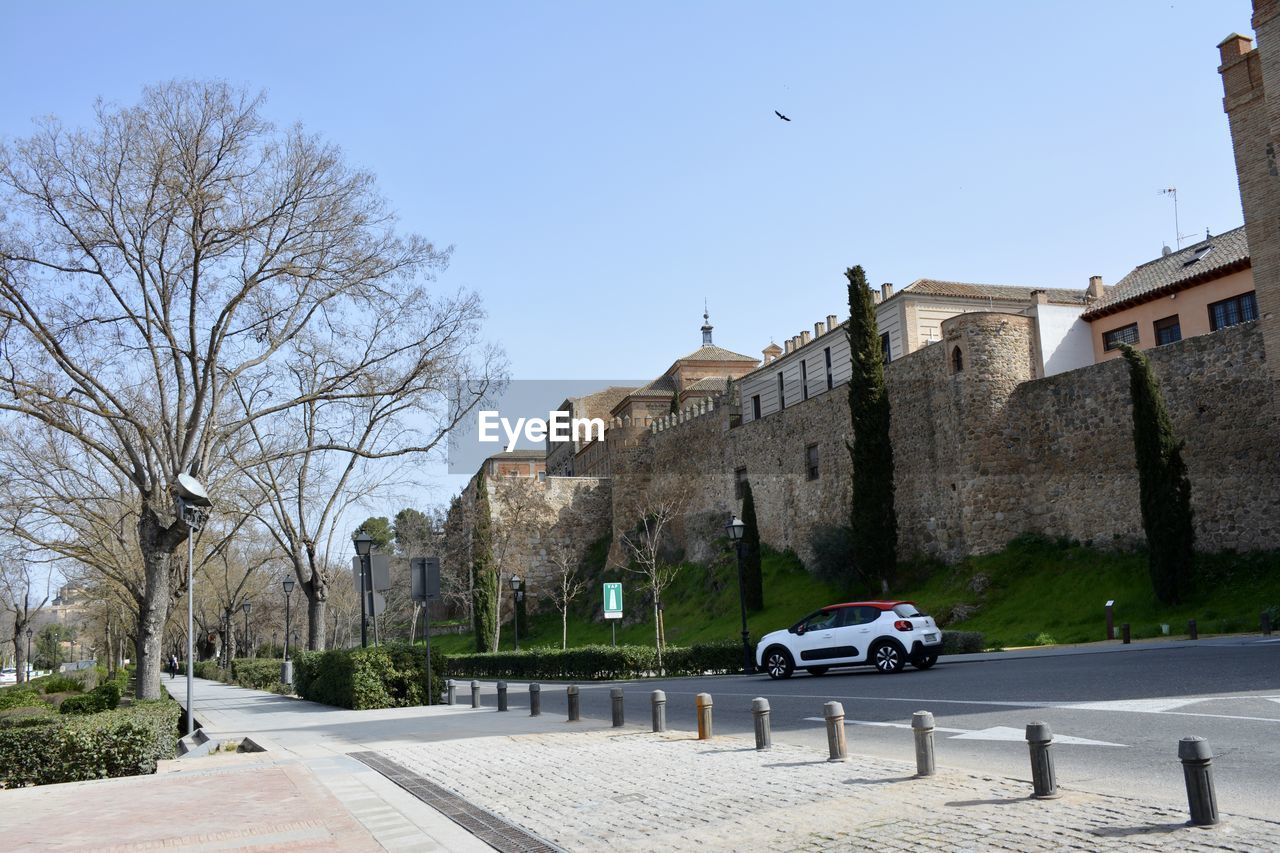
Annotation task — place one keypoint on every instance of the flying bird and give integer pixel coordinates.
(781, 116)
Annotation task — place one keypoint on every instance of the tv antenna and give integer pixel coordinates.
(1177, 231)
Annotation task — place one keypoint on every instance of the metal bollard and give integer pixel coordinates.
(1124, 633)
(615, 696)
(922, 727)
(535, 699)
(575, 709)
(1192, 631)
(452, 692)
(659, 699)
(833, 712)
(1265, 619)
(1043, 780)
(475, 694)
(1197, 758)
(760, 710)
(502, 695)
(703, 704)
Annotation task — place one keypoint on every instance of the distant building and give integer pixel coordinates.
(1193, 291)
(562, 454)
(516, 463)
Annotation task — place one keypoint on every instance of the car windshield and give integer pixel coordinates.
(906, 611)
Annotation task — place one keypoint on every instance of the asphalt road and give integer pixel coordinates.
(1126, 707)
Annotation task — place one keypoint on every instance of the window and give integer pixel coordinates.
(1123, 335)
(782, 397)
(811, 461)
(755, 407)
(1168, 331)
(804, 380)
(826, 353)
(957, 360)
(884, 347)
(1230, 312)
(739, 479)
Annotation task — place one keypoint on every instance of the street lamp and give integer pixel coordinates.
(517, 591)
(364, 543)
(26, 676)
(735, 528)
(247, 645)
(192, 503)
(286, 668)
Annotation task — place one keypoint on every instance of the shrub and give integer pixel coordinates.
(21, 696)
(74, 748)
(26, 715)
(61, 684)
(211, 670)
(386, 676)
(1043, 639)
(84, 703)
(256, 673)
(592, 663)
(962, 642)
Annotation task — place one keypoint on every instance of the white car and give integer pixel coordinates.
(8, 676)
(883, 634)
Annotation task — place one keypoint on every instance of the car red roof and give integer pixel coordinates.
(883, 605)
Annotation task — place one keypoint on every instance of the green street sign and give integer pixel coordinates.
(613, 601)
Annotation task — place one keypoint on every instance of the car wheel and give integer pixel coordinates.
(817, 670)
(924, 661)
(778, 663)
(887, 657)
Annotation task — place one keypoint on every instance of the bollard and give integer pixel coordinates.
(535, 699)
(1265, 619)
(502, 695)
(659, 699)
(1192, 631)
(703, 704)
(475, 694)
(760, 710)
(1124, 633)
(1043, 780)
(453, 691)
(1197, 758)
(922, 727)
(615, 696)
(833, 712)
(575, 709)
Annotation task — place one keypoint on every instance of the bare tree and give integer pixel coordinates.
(519, 510)
(654, 511)
(20, 597)
(569, 582)
(163, 268)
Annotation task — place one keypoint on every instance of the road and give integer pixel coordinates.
(1118, 715)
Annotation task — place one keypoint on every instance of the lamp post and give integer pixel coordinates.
(247, 645)
(26, 676)
(364, 543)
(517, 592)
(192, 503)
(735, 528)
(286, 668)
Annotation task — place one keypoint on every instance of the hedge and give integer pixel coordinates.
(129, 741)
(256, 673)
(599, 662)
(386, 676)
(20, 696)
(963, 642)
(104, 697)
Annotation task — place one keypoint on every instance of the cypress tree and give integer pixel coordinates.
(484, 593)
(873, 522)
(751, 552)
(1163, 485)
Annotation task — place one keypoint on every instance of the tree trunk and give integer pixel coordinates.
(152, 614)
(657, 632)
(564, 628)
(315, 620)
(20, 648)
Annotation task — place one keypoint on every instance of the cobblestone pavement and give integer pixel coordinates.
(630, 790)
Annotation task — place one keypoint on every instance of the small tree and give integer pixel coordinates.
(484, 594)
(19, 597)
(656, 509)
(1163, 486)
(873, 519)
(568, 583)
(751, 568)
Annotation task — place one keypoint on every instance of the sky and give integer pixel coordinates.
(602, 168)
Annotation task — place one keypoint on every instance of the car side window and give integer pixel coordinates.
(865, 615)
(822, 619)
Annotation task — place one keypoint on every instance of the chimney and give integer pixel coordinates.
(795, 342)
(771, 352)
(1039, 297)
(886, 290)
(1096, 290)
(804, 337)
(832, 322)
(790, 344)
(818, 330)
(875, 297)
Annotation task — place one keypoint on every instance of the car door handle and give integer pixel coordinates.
(826, 636)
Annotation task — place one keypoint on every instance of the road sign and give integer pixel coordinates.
(613, 601)
(424, 573)
(379, 572)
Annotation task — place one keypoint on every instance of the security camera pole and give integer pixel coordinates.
(193, 508)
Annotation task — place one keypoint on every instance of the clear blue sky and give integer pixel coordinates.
(601, 167)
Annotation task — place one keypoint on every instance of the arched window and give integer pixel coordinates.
(957, 360)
